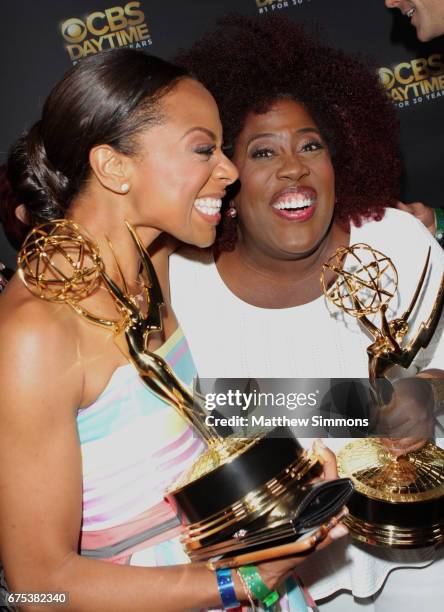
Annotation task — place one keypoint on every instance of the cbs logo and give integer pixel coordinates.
(99, 23)
(414, 71)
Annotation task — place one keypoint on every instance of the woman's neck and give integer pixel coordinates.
(106, 225)
(271, 282)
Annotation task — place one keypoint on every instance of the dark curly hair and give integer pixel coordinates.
(249, 63)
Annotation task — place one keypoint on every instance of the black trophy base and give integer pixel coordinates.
(396, 525)
(299, 512)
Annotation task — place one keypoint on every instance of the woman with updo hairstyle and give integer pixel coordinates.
(314, 138)
(87, 450)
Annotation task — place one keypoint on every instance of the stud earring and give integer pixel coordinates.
(124, 187)
(232, 211)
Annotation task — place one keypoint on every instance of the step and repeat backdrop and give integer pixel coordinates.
(42, 39)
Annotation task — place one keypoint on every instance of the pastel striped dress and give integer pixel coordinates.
(133, 446)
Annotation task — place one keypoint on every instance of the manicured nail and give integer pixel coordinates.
(320, 443)
(338, 532)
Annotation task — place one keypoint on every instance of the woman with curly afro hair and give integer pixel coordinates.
(314, 138)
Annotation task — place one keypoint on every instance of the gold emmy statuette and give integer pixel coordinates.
(233, 497)
(398, 502)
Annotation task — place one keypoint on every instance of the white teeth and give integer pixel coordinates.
(410, 13)
(209, 206)
(292, 204)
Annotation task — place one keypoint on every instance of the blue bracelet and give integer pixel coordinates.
(226, 588)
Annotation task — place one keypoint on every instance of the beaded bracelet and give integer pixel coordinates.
(247, 591)
(257, 587)
(225, 585)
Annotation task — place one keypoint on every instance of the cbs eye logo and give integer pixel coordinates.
(74, 30)
(387, 77)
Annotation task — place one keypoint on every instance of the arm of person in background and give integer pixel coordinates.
(425, 214)
(42, 377)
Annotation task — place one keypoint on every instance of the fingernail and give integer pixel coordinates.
(338, 532)
(319, 442)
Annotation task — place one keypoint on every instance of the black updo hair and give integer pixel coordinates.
(108, 99)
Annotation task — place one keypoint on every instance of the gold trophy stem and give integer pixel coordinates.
(160, 378)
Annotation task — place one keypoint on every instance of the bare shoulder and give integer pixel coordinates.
(38, 342)
(24, 316)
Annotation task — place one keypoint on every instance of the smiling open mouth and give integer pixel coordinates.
(209, 209)
(294, 210)
(293, 205)
(208, 206)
